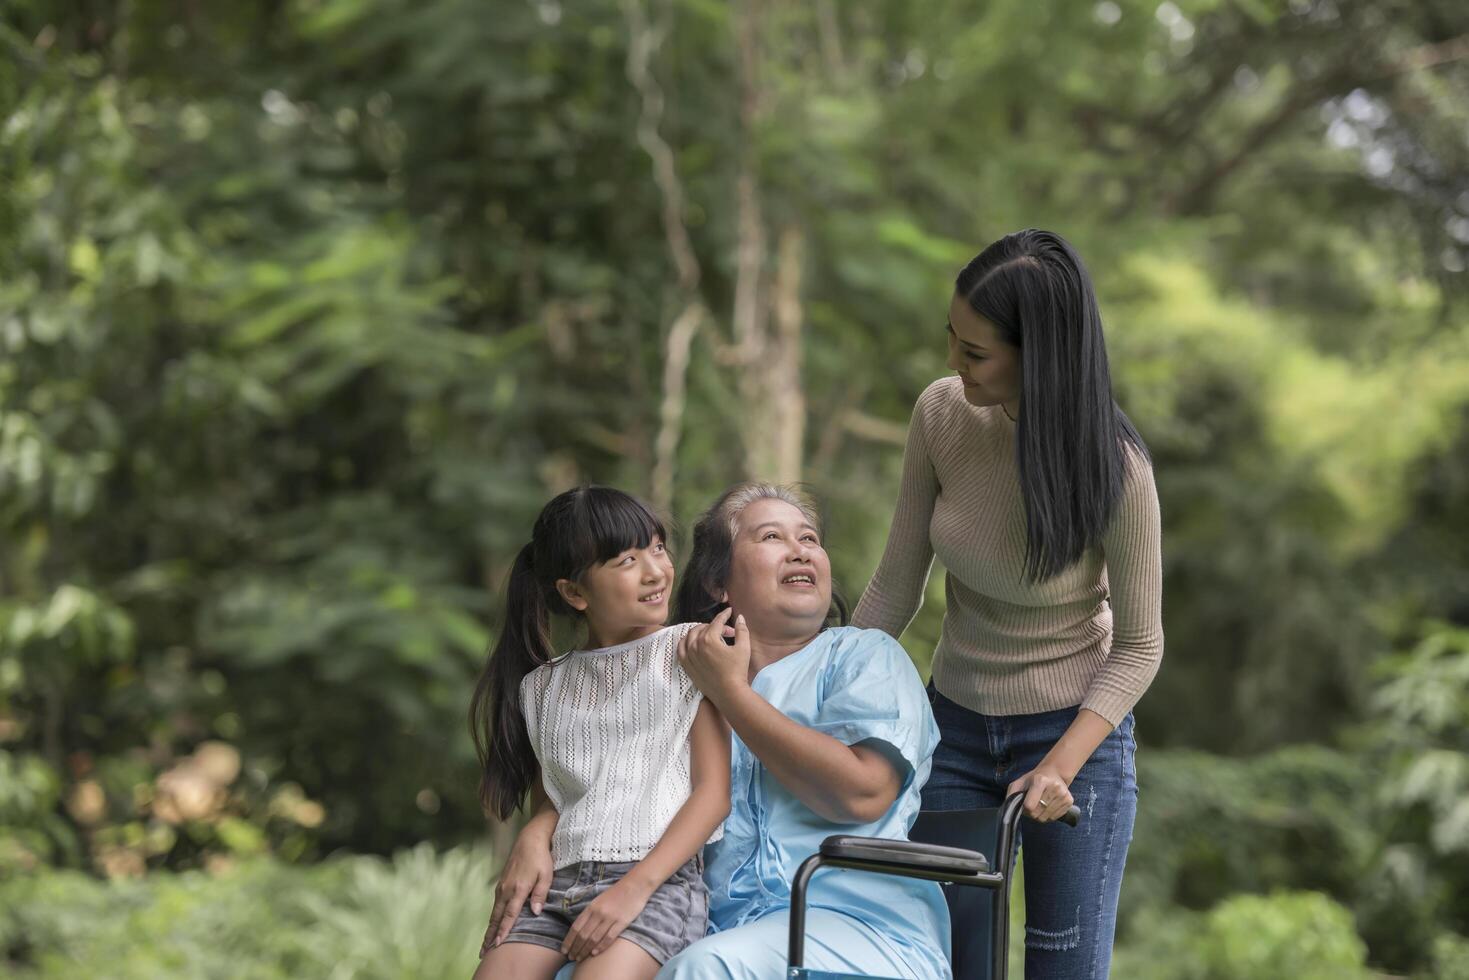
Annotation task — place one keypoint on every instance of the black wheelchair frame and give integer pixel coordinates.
(927, 858)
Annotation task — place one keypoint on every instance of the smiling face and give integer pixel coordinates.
(988, 366)
(626, 597)
(779, 576)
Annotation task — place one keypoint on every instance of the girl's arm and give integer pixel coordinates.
(599, 925)
(528, 870)
(895, 592)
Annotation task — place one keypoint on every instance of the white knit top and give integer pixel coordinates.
(611, 730)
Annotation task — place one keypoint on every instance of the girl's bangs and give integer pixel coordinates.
(612, 522)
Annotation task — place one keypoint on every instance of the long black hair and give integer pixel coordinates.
(697, 599)
(575, 531)
(1073, 437)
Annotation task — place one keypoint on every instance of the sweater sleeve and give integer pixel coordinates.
(895, 592)
(1133, 552)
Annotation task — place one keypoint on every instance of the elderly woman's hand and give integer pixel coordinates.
(715, 667)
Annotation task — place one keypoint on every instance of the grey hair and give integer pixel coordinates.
(740, 496)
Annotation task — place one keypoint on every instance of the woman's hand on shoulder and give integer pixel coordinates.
(715, 666)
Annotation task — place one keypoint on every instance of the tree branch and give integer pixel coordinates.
(644, 39)
(670, 414)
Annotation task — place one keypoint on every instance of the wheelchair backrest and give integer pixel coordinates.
(979, 917)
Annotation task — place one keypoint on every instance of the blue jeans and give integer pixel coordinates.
(1072, 875)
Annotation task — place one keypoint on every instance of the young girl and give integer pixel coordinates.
(633, 765)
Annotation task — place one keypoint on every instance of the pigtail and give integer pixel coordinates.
(507, 762)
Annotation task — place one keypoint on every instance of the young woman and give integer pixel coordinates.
(1028, 482)
(633, 763)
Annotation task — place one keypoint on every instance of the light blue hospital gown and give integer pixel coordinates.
(856, 686)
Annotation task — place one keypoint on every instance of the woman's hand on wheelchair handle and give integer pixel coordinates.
(1044, 783)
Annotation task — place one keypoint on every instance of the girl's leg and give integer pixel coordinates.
(623, 959)
(519, 961)
(1073, 875)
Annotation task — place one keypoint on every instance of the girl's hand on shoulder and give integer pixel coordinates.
(527, 875)
(603, 920)
(715, 667)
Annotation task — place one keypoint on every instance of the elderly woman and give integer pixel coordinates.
(834, 736)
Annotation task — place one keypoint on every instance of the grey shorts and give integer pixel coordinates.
(676, 915)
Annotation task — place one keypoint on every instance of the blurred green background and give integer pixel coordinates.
(306, 307)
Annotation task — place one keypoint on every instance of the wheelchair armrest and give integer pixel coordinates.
(904, 854)
(881, 855)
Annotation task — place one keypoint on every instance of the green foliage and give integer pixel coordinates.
(66, 924)
(1450, 959)
(1419, 735)
(419, 916)
(1302, 934)
(1373, 824)
(1251, 937)
(178, 460)
(308, 307)
(305, 308)
(1208, 827)
(1422, 708)
(30, 828)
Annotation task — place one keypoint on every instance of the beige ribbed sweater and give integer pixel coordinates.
(1091, 636)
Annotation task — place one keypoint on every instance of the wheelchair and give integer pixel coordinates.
(970, 852)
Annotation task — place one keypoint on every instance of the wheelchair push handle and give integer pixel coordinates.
(1071, 817)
